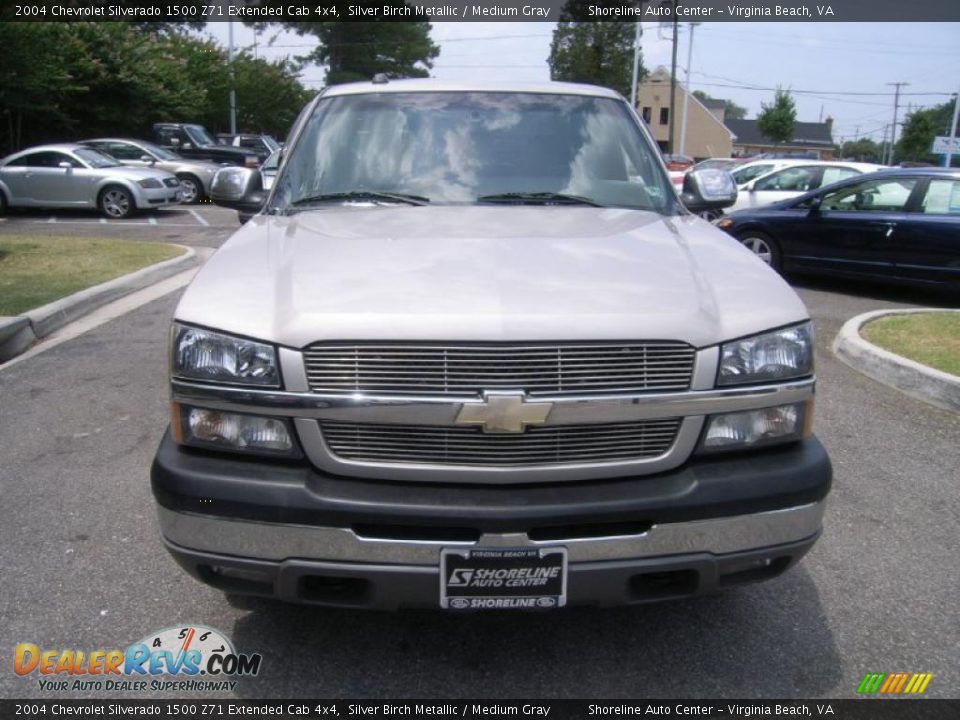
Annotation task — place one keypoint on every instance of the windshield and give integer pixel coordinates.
(95, 158)
(465, 147)
(199, 135)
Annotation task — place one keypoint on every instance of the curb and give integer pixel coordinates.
(18, 333)
(908, 376)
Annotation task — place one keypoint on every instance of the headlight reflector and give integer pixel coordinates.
(150, 183)
(753, 428)
(201, 427)
(777, 355)
(206, 355)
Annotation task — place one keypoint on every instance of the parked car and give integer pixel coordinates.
(796, 179)
(195, 142)
(755, 168)
(77, 176)
(901, 225)
(678, 162)
(259, 145)
(475, 337)
(195, 175)
(719, 164)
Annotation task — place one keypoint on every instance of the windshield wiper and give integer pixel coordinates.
(539, 197)
(362, 195)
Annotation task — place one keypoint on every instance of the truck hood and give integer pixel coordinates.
(487, 273)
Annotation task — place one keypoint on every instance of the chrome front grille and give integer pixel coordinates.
(470, 369)
(559, 444)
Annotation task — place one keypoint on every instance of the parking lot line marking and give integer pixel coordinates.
(125, 223)
(198, 216)
(103, 221)
(52, 219)
(152, 220)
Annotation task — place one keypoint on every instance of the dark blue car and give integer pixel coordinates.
(901, 225)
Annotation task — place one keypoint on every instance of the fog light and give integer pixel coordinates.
(202, 427)
(753, 428)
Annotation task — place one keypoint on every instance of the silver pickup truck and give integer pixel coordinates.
(473, 351)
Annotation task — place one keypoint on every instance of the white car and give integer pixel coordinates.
(77, 176)
(794, 180)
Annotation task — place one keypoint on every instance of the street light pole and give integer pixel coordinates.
(636, 64)
(673, 80)
(233, 91)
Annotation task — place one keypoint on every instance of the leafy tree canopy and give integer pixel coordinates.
(919, 130)
(600, 53)
(862, 150)
(777, 120)
(70, 81)
(355, 51)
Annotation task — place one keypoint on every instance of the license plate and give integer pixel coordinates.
(503, 578)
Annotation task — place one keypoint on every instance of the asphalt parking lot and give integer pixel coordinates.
(83, 567)
(203, 224)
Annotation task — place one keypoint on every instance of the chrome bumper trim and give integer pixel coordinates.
(275, 542)
(567, 410)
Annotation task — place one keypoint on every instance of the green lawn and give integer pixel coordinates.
(35, 269)
(932, 339)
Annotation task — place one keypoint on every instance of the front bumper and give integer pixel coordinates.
(158, 197)
(289, 531)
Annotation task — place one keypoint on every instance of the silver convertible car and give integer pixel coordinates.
(195, 176)
(75, 176)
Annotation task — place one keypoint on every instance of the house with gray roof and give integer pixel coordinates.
(811, 139)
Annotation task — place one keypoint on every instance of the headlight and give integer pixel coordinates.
(150, 183)
(219, 430)
(215, 357)
(777, 355)
(756, 428)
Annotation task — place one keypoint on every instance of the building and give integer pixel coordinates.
(814, 140)
(707, 136)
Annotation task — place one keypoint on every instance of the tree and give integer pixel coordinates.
(919, 130)
(731, 111)
(359, 50)
(776, 121)
(600, 53)
(862, 150)
(69, 81)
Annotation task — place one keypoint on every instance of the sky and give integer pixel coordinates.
(838, 70)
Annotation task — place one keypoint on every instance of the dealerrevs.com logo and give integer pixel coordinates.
(175, 659)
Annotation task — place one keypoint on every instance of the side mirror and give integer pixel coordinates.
(710, 189)
(65, 165)
(815, 203)
(148, 159)
(239, 189)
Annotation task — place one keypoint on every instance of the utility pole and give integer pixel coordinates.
(673, 78)
(953, 128)
(233, 90)
(686, 97)
(893, 128)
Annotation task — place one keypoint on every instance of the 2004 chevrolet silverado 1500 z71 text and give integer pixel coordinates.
(472, 351)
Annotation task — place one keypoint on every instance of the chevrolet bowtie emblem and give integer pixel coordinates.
(504, 413)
